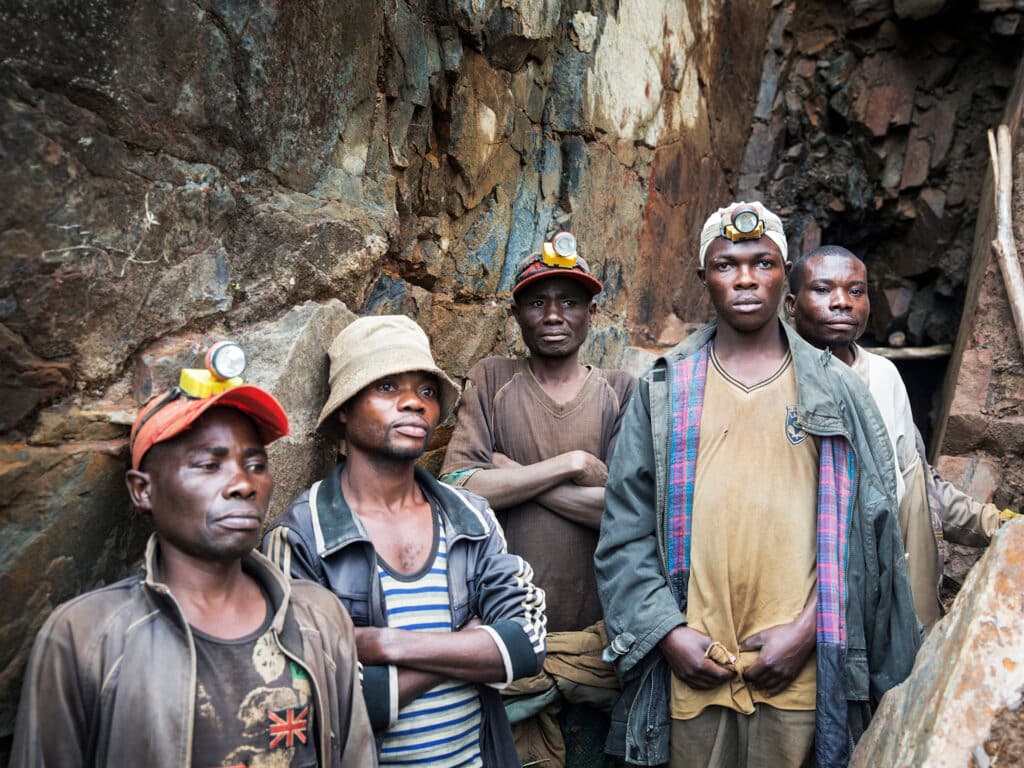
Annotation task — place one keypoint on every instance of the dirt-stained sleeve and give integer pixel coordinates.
(624, 384)
(472, 443)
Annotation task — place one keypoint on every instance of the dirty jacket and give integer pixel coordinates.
(318, 538)
(641, 607)
(112, 676)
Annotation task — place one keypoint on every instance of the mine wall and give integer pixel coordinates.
(181, 172)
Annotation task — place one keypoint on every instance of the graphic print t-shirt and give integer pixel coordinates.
(254, 705)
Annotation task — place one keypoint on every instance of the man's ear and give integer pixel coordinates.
(592, 309)
(139, 489)
(787, 265)
(513, 309)
(702, 275)
(790, 304)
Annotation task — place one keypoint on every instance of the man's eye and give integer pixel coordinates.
(209, 466)
(536, 303)
(429, 392)
(385, 386)
(766, 263)
(258, 467)
(857, 292)
(820, 289)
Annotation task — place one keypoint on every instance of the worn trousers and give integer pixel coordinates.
(720, 737)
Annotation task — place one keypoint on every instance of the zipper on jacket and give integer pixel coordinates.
(192, 674)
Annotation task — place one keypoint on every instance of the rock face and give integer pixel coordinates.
(962, 705)
(983, 408)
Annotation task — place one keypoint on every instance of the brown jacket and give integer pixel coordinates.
(112, 676)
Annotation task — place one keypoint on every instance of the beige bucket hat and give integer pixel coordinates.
(371, 348)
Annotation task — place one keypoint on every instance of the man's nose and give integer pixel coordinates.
(553, 312)
(241, 485)
(746, 276)
(841, 300)
(411, 400)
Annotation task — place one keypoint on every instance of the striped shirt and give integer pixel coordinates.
(442, 726)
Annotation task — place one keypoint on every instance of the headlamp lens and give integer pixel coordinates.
(564, 244)
(745, 220)
(226, 360)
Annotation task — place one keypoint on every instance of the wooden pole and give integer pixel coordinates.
(1004, 247)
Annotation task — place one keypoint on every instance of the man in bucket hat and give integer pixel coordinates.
(444, 615)
(534, 436)
(210, 657)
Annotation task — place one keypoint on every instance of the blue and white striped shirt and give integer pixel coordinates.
(442, 726)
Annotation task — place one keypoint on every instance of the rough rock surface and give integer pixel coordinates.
(983, 408)
(963, 701)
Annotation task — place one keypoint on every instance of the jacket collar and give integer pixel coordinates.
(275, 585)
(338, 527)
(817, 407)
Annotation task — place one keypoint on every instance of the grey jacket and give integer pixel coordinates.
(640, 607)
(112, 676)
(318, 538)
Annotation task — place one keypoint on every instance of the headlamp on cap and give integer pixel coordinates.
(743, 223)
(225, 363)
(560, 251)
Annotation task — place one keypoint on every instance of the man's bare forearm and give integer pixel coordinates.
(508, 486)
(578, 503)
(412, 683)
(470, 655)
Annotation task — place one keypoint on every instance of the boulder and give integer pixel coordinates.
(962, 702)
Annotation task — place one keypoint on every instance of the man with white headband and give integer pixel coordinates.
(750, 563)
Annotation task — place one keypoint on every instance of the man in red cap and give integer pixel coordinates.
(534, 436)
(210, 656)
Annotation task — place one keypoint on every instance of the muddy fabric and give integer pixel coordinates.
(922, 548)
(573, 668)
(917, 524)
(505, 409)
(723, 738)
(753, 540)
(253, 705)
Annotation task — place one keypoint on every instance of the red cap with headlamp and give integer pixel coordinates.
(167, 415)
(558, 258)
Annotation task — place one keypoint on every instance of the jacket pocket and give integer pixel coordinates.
(858, 679)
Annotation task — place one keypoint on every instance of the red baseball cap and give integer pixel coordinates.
(533, 268)
(167, 415)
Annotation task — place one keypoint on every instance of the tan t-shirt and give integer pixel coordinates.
(505, 409)
(753, 537)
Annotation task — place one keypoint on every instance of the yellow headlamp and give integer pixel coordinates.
(744, 223)
(225, 363)
(560, 251)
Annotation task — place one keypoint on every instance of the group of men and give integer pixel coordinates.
(732, 557)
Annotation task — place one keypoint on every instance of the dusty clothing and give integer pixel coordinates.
(964, 520)
(753, 545)
(723, 738)
(320, 537)
(505, 409)
(131, 642)
(918, 526)
(644, 599)
(253, 705)
(574, 672)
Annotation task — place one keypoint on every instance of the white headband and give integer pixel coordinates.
(713, 228)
